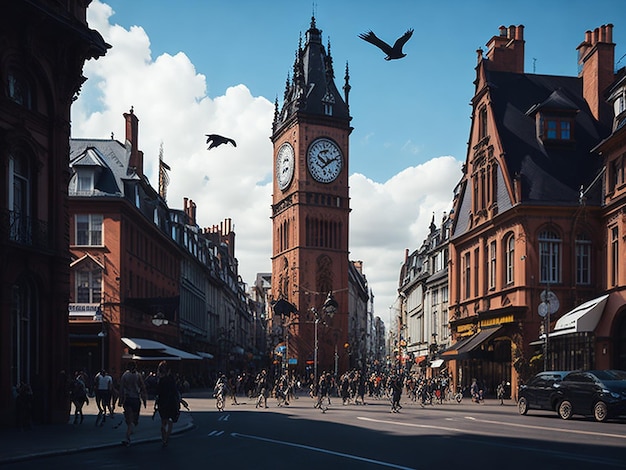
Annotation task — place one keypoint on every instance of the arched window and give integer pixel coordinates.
(509, 269)
(583, 259)
(550, 257)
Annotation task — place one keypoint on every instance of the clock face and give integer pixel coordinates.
(324, 160)
(285, 163)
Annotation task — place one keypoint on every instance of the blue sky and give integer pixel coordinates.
(195, 67)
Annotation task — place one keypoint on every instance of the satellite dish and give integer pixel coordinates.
(548, 297)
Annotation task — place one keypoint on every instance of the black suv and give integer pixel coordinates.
(541, 393)
(601, 393)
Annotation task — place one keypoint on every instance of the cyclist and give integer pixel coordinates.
(220, 392)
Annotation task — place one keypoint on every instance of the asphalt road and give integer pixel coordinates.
(298, 436)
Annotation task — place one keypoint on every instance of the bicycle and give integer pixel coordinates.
(219, 401)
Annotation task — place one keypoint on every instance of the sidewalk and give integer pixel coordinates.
(59, 439)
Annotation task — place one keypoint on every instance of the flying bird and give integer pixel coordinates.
(394, 52)
(217, 140)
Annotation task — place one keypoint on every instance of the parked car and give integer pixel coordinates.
(600, 393)
(541, 392)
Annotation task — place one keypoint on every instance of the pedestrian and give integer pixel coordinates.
(167, 401)
(395, 384)
(103, 384)
(262, 387)
(500, 391)
(78, 395)
(132, 393)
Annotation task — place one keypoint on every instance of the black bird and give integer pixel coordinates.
(394, 52)
(217, 140)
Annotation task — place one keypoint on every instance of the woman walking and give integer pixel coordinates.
(167, 401)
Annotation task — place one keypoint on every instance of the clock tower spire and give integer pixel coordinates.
(310, 209)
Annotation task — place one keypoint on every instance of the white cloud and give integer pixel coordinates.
(170, 99)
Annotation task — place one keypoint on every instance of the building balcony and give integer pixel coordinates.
(21, 229)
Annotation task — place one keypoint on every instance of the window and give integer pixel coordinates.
(435, 297)
(19, 89)
(466, 275)
(89, 229)
(444, 294)
(476, 264)
(482, 123)
(617, 173)
(19, 199)
(557, 129)
(84, 181)
(583, 259)
(88, 285)
(510, 259)
(614, 256)
(492, 265)
(550, 257)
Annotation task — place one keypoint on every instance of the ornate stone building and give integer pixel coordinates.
(44, 47)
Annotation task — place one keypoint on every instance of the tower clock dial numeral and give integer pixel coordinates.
(324, 160)
(285, 163)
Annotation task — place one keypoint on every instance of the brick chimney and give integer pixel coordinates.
(506, 51)
(189, 207)
(132, 140)
(596, 59)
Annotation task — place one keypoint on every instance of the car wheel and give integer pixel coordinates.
(600, 411)
(565, 409)
(522, 406)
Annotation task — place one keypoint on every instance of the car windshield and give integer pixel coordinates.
(610, 374)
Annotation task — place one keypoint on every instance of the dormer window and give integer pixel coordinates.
(557, 129)
(84, 181)
(328, 100)
(553, 128)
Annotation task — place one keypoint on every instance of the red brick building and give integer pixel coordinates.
(44, 47)
(528, 214)
(310, 207)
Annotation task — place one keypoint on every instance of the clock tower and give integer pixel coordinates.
(310, 211)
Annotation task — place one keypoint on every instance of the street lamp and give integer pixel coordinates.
(329, 308)
(159, 319)
(102, 334)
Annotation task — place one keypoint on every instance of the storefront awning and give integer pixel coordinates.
(469, 344)
(150, 350)
(585, 317)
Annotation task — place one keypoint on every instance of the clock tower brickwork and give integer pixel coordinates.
(310, 214)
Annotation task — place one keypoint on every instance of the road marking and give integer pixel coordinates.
(223, 417)
(215, 433)
(567, 455)
(501, 423)
(544, 428)
(323, 451)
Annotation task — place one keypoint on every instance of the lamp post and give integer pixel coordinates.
(329, 308)
(284, 308)
(102, 334)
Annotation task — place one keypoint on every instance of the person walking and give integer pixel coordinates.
(78, 395)
(167, 401)
(132, 393)
(103, 384)
(501, 390)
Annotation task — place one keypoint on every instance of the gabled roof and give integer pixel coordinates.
(87, 257)
(550, 174)
(109, 157)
